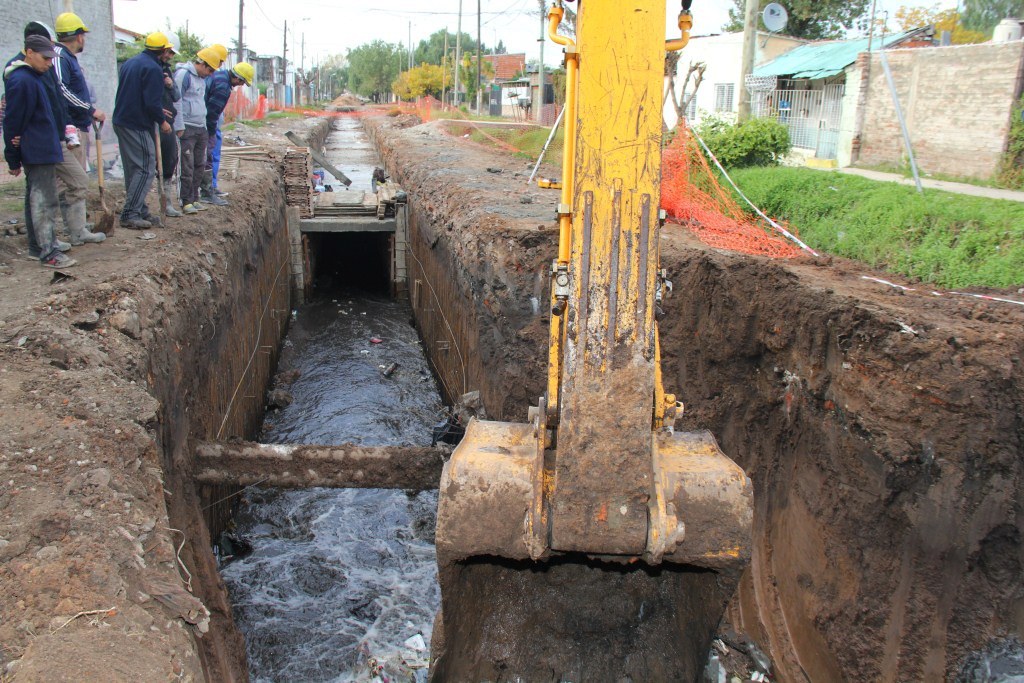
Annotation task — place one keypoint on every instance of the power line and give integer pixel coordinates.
(269, 20)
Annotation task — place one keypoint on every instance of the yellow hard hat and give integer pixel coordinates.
(70, 24)
(209, 57)
(156, 41)
(222, 52)
(245, 71)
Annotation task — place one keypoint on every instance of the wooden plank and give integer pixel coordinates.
(414, 468)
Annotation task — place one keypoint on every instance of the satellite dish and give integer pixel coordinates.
(775, 17)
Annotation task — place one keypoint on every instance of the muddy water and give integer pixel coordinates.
(342, 579)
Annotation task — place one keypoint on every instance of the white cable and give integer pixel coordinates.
(760, 213)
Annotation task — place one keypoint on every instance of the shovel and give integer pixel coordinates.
(107, 219)
(159, 171)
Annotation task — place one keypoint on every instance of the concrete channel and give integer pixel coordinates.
(886, 463)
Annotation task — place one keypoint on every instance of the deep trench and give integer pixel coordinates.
(768, 379)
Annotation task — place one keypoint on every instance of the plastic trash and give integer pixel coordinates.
(376, 340)
(416, 643)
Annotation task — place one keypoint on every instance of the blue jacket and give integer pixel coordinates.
(138, 103)
(57, 103)
(218, 90)
(73, 86)
(30, 116)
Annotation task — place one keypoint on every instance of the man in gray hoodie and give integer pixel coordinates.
(191, 120)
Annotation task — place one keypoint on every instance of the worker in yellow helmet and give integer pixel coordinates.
(75, 90)
(218, 91)
(191, 123)
(138, 108)
(221, 52)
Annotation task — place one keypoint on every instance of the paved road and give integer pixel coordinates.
(959, 188)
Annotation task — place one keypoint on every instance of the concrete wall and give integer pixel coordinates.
(97, 60)
(957, 101)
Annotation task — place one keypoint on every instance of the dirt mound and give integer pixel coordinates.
(347, 100)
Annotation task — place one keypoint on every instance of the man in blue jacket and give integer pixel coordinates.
(75, 90)
(138, 113)
(32, 143)
(218, 92)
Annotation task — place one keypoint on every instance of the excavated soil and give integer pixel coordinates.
(882, 428)
(106, 381)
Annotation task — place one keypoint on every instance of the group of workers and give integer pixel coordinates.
(47, 111)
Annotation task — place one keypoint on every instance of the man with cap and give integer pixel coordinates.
(75, 90)
(60, 115)
(169, 150)
(32, 142)
(218, 91)
(191, 123)
(138, 112)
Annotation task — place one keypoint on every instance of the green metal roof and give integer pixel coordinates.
(821, 60)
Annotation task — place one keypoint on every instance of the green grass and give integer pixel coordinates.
(529, 141)
(947, 239)
(12, 199)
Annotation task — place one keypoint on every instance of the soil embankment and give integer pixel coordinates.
(882, 429)
(108, 379)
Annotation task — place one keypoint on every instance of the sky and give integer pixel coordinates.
(332, 26)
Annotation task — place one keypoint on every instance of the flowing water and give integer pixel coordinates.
(342, 583)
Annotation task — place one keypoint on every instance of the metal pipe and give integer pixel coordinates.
(554, 129)
(902, 120)
(572, 65)
(685, 25)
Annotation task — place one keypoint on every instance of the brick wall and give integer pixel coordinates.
(957, 101)
(98, 59)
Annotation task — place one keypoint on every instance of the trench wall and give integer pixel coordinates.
(211, 380)
(886, 463)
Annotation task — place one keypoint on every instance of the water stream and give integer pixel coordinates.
(342, 583)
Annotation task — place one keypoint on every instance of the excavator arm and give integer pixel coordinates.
(599, 471)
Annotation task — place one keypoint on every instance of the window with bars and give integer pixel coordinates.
(724, 94)
(691, 110)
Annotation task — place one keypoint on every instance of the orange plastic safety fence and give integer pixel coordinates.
(693, 198)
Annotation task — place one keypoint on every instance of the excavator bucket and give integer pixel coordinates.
(595, 542)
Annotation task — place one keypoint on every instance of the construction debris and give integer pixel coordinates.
(298, 169)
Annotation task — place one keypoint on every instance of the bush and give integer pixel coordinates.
(1011, 168)
(756, 142)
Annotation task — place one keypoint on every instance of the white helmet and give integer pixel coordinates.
(174, 41)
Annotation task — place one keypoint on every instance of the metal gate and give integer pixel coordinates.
(813, 117)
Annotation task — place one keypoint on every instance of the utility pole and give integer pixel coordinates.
(749, 55)
(410, 45)
(241, 6)
(69, 5)
(871, 28)
(444, 69)
(540, 69)
(479, 38)
(458, 55)
(284, 66)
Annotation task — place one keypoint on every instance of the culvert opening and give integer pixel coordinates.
(343, 260)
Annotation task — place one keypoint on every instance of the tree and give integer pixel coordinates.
(811, 19)
(373, 67)
(425, 79)
(429, 51)
(985, 15)
(467, 74)
(908, 18)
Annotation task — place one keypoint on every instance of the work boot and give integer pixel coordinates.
(189, 209)
(62, 246)
(206, 186)
(171, 209)
(77, 227)
(136, 224)
(215, 200)
(199, 206)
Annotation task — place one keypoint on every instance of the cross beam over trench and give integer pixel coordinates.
(414, 468)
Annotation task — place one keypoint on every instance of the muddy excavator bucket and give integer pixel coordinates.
(496, 493)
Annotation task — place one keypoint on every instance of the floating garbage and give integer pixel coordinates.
(389, 370)
(376, 340)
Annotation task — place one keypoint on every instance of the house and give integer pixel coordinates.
(807, 89)
(124, 36)
(506, 67)
(722, 55)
